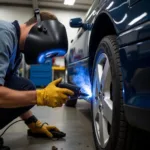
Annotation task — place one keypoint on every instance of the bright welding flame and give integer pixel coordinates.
(82, 80)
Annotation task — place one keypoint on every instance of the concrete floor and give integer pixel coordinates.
(76, 122)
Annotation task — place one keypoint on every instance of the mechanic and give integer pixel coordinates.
(18, 95)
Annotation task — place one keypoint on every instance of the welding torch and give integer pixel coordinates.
(75, 89)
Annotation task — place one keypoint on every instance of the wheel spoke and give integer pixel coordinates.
(103, 130)
(107, 109)
(96, 100)
(99, 76)
(97, 88)
(106, 77)
(96, 109)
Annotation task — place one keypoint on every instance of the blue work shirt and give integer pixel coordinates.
(8, 49)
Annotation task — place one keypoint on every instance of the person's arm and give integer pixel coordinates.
(12, 99)
(51, 96)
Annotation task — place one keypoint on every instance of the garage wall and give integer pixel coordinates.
(22, 14)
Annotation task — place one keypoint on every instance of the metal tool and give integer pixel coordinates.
(75, 89)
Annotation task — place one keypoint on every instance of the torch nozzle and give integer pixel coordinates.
(83, 94)
(75, 89)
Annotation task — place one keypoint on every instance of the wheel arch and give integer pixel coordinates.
(102, 27)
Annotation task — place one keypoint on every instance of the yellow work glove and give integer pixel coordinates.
(38, 127)
(53, 96)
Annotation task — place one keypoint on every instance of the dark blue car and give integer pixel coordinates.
(110, 60)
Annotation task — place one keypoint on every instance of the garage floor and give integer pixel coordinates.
(75, 122)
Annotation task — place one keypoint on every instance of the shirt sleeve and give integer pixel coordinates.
(6, 48)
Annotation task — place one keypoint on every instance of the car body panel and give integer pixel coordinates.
(135, 61)
(130, 19)
(129, 16)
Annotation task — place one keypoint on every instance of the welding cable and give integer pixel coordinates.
(9, 127)
(17, 122)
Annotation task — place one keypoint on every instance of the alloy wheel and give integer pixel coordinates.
(102, 103)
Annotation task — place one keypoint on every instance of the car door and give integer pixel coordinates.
(79, 46)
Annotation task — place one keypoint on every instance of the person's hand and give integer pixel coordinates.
(38, 127)
(53, 96)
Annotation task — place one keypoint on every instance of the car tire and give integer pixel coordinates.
(121, 136)
(71, 103)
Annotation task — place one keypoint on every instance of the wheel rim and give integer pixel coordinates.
(102, 103)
